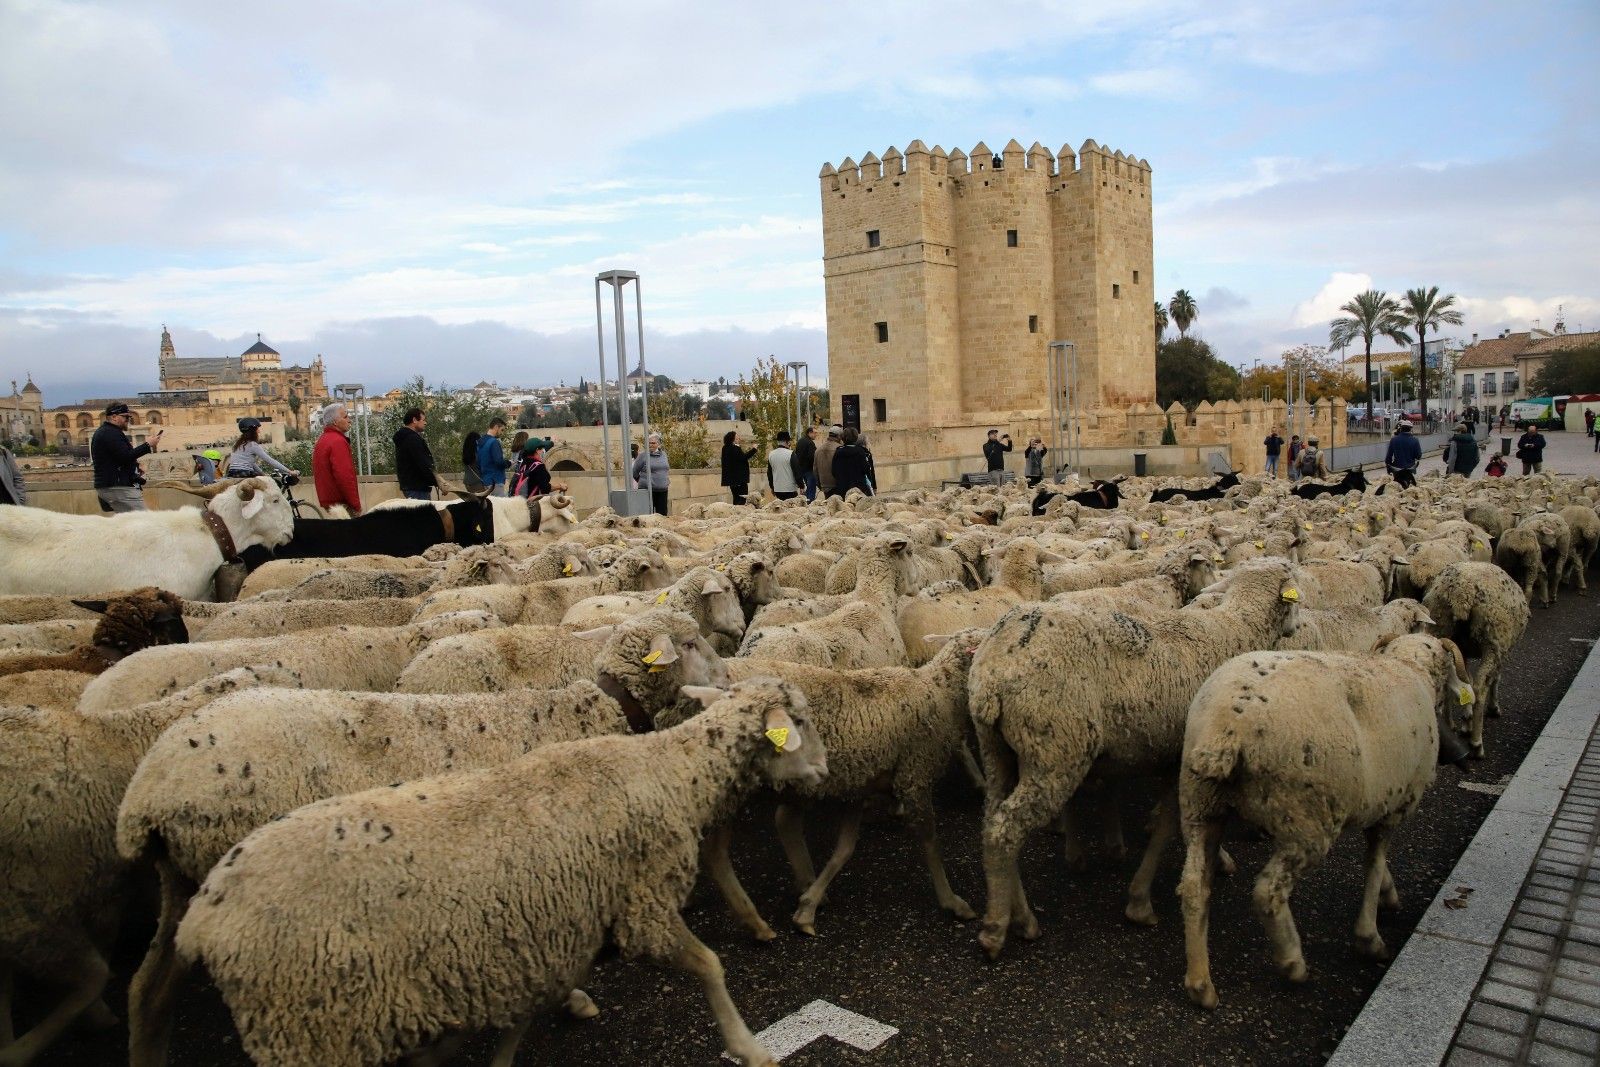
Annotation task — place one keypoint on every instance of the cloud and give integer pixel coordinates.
(1160, 83)
(1324, 307)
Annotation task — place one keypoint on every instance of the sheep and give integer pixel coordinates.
(342, 657)
(249, 758)
(1520, 555)
(1479, 607)
(266, 618)
(89, 555)
(559, 560)
(128, 622)
(479, 565)
(702, 594)
(52, 635)
(1177, 581)
(924, 567)
(807, 571)
(61, 775)
(1555, 549)
(1355, 629)
(1056, 689)
(29, 607)
(1337, 583)
(777, 544)
(1584, 525)
(1304, 745)
(572, 847)
(863, 633)
(43, 689)
(635, 570)
(284, 574)
(887, 729)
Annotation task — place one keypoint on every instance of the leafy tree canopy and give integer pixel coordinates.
(1188, 371)
(1576, 370)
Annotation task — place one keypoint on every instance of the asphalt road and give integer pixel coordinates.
(1093, 989)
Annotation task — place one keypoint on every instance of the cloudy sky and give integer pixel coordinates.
(429, 188)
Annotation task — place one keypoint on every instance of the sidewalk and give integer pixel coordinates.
(1505, 965)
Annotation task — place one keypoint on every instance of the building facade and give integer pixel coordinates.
(1499, 370)
(947, 277)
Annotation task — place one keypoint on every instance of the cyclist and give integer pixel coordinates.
(247, 457)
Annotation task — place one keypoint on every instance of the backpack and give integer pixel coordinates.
(1308, 460)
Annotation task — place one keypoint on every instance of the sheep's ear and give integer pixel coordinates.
(706, 695)
(937, 640)
(662, 652)
(1424, 619)
(253, 501)
(900, 544)
(598, 633)
(781, 731)
(712, 587)
(97, 606)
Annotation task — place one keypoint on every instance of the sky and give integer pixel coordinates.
(417, 188)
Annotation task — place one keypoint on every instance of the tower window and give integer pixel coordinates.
(1033, 324)
(872, 239)
(880, 410)
(1135, 277)
(883, 331)
(1011, 238)
(1116, 291)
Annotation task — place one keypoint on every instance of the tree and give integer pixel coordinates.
(686, 441)
(1184, 311)
(451, 416)
(1169, 436)
(1161, 321)
(531, 417)
(1367, 317)
(719, 411)
(1188, 371)
(584, 410)
(662, 384)
(821, 407)
(764, 401)
(1425, 309)
(583, 386)
(1576, 370)
(294, 408)
(690, 405)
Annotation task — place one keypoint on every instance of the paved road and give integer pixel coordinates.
(1092, 988)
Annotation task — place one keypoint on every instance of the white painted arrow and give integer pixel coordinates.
(821, 1019)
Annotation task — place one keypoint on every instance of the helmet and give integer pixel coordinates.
(248, 423)
(212, 454)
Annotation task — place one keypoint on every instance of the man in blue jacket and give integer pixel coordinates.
(492, 462)
(1405, 453)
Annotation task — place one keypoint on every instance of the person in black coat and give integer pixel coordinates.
(736, 466)
(413, 459)
(805, 463)
(852, 465)
(117, 480)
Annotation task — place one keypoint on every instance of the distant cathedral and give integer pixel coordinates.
(259, 366)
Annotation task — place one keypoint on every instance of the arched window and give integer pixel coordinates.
(64, 438)
(153, 418)
(62, 422)
(84, 421)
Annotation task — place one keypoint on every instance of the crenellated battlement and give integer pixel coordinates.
(919, 159)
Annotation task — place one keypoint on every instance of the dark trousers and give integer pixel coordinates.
(658, 500)
(738, 492)
(811, 486)
(1034, 479)
(785, 496)
(418, 494)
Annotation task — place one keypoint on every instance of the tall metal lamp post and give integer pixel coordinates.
(624, 500)
(800, 399)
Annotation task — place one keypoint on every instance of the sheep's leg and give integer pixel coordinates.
(1163, 827)
(1486, 696)
(921, 822)
(1069, 825)
(1271, 897)
(789, 820)
(1199, 867)
(151, 993)
(716, 860)
(505, 1049)
(1111, 836)
(805, 916)
(693, 956)
(1368, 941)
(1389, 898)
(969, 764)
(89, 973)
(7, 1034)
(1032, 804)
(440, 1052)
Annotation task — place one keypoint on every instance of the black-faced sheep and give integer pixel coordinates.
(128, 622)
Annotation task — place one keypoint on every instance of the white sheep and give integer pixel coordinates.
(862, 633)
(635, 570)
(61, 880)
(703, 594)
(247, 759)
(268, 618)
(1055, 688)
(1304, 745)
(468, 900)
(1479, 607)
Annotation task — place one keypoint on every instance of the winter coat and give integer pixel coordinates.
(1404, 453)
(116, 461)
(12, 491)
(334, 470)
(736, 464)
(492, 462)
(851, 469)
(413, 460)
(994, 453)
(1033, 462)
(780, 471)
(805, 458)
(1463, 450)
(659, 470)
(825, 453)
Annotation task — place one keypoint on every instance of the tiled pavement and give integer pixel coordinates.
(1539, 1000)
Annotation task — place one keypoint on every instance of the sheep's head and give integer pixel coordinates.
(723, 610)
(774, 716)
(640, 569)
(256, 513)
(1442, 661)
(654, 654)
(140, 619)
(755, 579)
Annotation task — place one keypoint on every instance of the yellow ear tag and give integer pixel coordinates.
(1261, 544)
(1218, 559)
(566, 568)
(655, 668)
(719, 568)
(1360, 529)
(1183, 533)
(779, 736)
(1464, 695)
(1308, 526)
(1291, 594)
(1144, 535)
(1162, 520)
(949, 537)
(1477, 544)
(661, 597)
(1341, 511)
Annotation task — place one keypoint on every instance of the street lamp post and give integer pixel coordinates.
(624, 501)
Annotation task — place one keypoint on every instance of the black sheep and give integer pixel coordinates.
(392, 531)
(1102, 496)
(1210, 492)
(1353, 480)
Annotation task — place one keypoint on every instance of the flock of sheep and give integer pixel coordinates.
(392, 802)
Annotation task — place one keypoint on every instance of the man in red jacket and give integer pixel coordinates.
(331, 463)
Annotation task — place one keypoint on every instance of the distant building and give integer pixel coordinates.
(22, 415)
(1501, 369)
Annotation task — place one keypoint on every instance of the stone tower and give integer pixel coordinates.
(167, 351)
(947, 277)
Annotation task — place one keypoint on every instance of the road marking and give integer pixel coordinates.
(1493, 789)
(821, 1019)
(1583, 640)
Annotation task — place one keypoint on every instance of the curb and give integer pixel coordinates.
(1413, 1015)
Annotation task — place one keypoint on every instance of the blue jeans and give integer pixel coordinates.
(811, 485)
(1272, 466)
(418, 494)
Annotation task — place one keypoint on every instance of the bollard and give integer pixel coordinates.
(1139, 459)
(1505, 446)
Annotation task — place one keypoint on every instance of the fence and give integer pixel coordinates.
(1371, 454)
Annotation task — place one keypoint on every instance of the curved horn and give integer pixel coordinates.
(206, 491)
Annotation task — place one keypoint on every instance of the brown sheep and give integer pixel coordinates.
(128, 622)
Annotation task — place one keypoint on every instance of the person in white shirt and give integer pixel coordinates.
(780, 472)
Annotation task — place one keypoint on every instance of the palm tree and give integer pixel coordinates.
(1424, 308)
(1370, 315)
(1183, 311)
(1161, 322)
